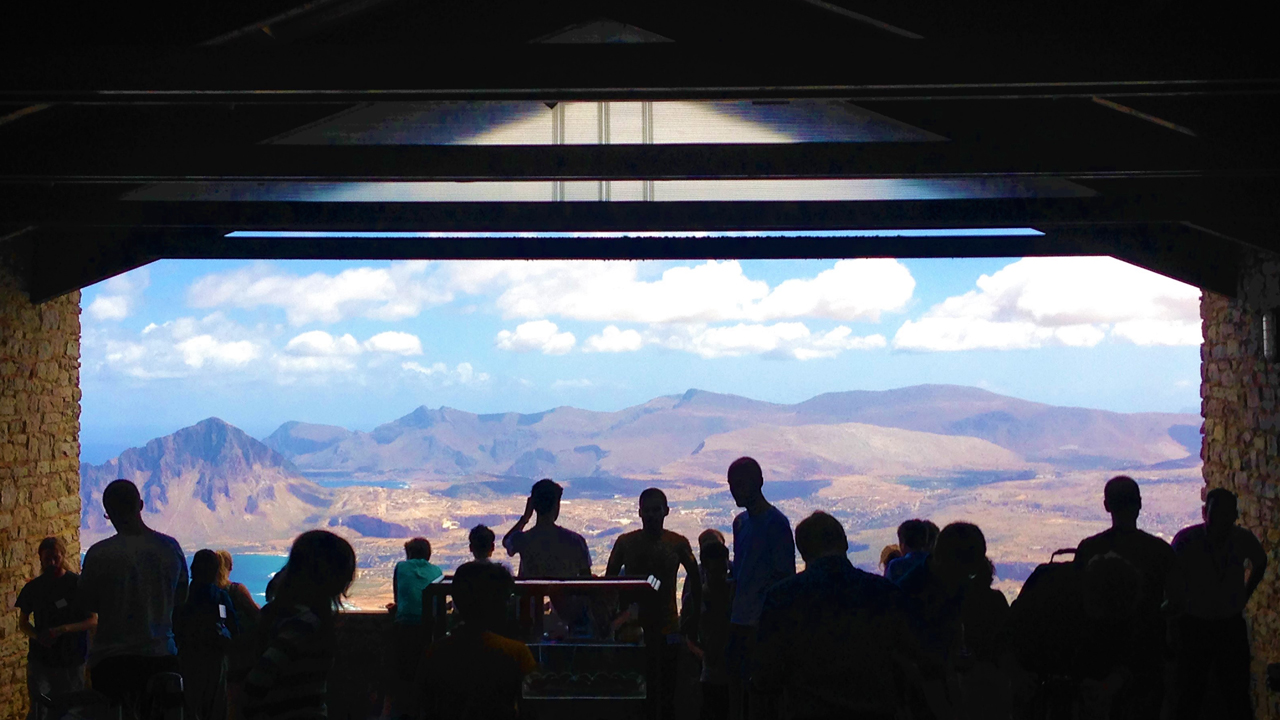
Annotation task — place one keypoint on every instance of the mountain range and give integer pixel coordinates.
(644, 440)
(213, 481)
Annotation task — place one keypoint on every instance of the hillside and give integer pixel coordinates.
(207, 481)
(809, 451)
(641, 441)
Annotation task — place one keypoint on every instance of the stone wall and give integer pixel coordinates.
(1239, 390)
(39, 451)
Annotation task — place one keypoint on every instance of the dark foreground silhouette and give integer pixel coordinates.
(1132, 627)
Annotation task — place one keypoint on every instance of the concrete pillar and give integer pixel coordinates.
(1239, 391)
(39, 450)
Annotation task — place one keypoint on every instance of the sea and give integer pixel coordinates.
(254, 571)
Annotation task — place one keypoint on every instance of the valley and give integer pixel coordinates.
(1029, 474)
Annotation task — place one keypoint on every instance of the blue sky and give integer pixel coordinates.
(361, 343)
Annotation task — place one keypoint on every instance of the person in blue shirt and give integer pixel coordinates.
(764, 553)
(412, 575)
(915, 540)
(203, 627)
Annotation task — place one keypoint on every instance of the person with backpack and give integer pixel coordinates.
(204, 627)
(1153, 559)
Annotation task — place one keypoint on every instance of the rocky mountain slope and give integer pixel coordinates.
(642, 440)
(210, 480)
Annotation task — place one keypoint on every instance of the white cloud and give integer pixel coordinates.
(783, 340)
(319, 343)
(542, 335)
(179, 348)
(120, 296)
(571, 384)
(395, 292)
(709, 292)
(203, 349)
(1074, 302)
(461, 374)
(611, 339)
(395, 343)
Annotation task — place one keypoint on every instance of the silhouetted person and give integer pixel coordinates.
(549, 551)
(58, 642)
(935, 592)
(763, 554)
(412, 575)
(713, 628)
(984, 615)
(240, 657)
(1110, 660)
(888, 554)
(655, 551)
(204, 626)
(133, 580)
(1152, 558)
(480, 542)
(296, 631)
(474, 673)
(1211, 633)
(830, 636)
(915, 541)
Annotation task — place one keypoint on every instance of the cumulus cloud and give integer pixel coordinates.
(120, 296)
(542, 335)
(780, 340)
(319, 343)
(1074, 302)
(611, 339)
(709, 292)
(203, 349)
(395, 343)
(461, 374)
(179, 348)
(395, 292)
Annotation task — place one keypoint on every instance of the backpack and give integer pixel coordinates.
(1047, 620)
(201, 626)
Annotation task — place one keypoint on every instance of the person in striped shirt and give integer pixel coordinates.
(289, 681)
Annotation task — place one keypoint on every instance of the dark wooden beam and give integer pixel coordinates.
(65, 260)
(1025, 155)
(1007, 67)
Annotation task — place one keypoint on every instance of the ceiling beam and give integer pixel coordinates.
(1025, 155)
(1080, 67)
(65, 260)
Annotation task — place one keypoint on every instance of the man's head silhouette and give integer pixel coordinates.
(123, 505)
(653, 509)
(746, 482)
(819, 536)
(545, 499)
(1220, 511)
(1122, 499)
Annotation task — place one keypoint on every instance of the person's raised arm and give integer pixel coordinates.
(1257, 556)
(510, 540)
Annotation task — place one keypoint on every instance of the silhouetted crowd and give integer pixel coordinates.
(1130, 627)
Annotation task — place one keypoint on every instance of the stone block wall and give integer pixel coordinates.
(1239, 391)
(39, 451)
